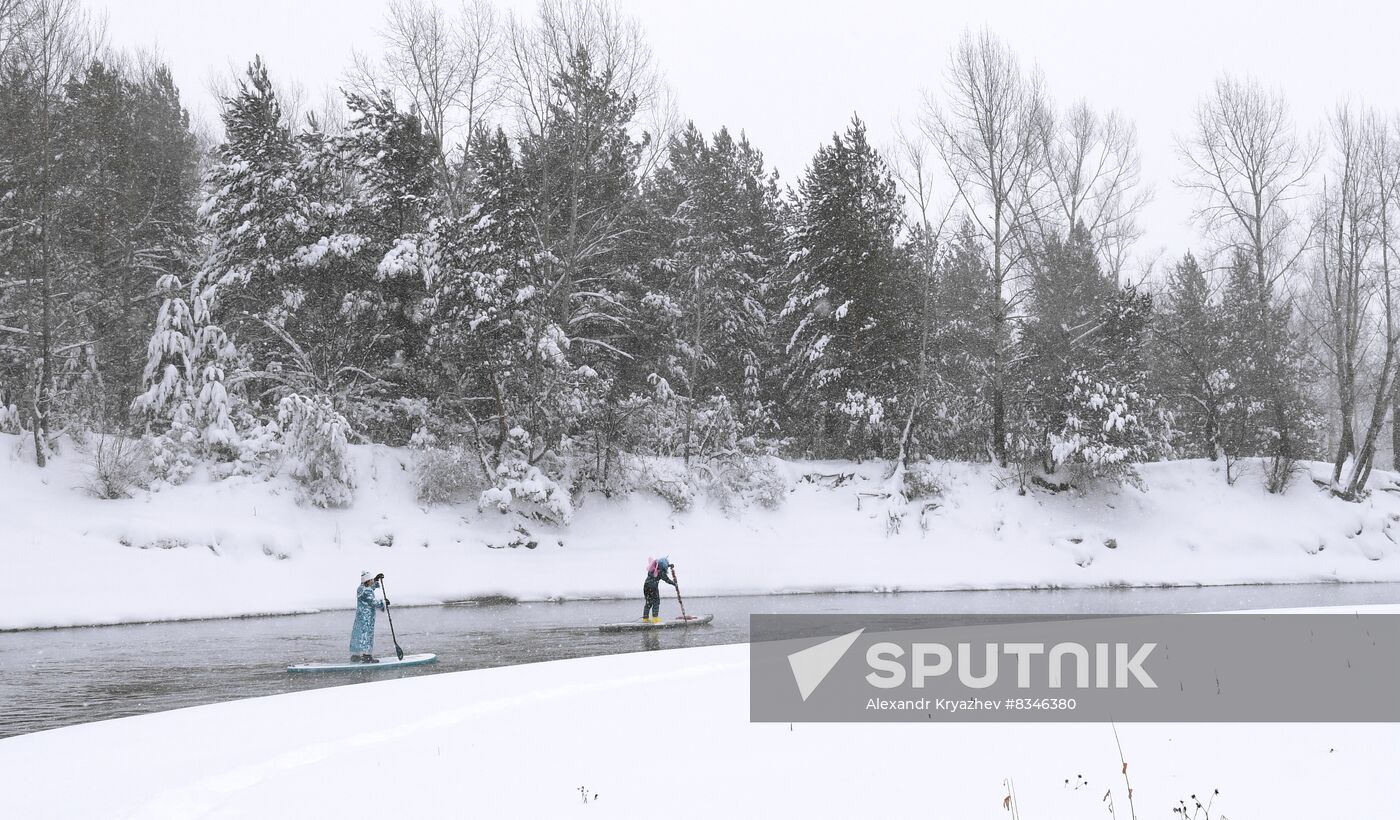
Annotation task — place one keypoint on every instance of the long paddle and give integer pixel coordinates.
(398, 649)
(679, 600)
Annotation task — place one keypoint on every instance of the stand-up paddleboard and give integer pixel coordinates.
(390, 662)
(642, 626)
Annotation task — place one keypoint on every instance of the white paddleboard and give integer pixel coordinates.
(640, 625)
(390, 662)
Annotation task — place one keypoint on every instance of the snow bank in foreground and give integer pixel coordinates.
(663, 733)
(243, 546)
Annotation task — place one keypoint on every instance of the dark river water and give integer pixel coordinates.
(57, 677)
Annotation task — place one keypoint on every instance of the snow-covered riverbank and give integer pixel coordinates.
(664, 733)
(243, 546)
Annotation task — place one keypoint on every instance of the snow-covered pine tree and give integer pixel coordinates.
(130, 217)
(214, 406)
(317, 450)
(316, 265)
(254, 215)
(271, 295)
(254, 218)
(953, 418)
(483, 285)
(186, 407)
(1187, 359)
(582, 171)
(167, 404)
(715, 216)
(533, 287)
(390, 207)
(846, 330)
(1266, 410)
(500, 364)
(1081, 386)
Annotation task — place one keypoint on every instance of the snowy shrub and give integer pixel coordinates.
(672, 426)
(520, 538)
(318, 450)
(213, 410)
(445, 476)
(865, 415)
(920, 481)
(115, 467)
(1101, 428)
(393, 421)
(9, 419)
(524, 488)
(733, 480)
(757, 481)
(256, 451)
(1109, 428)
(612, 473)
(769, 489)
(418, 416)
(175, 452)
(528, 488)
(668, 479)
(738, 480)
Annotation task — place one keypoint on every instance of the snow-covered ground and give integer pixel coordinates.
(663, 734)
(243, 546)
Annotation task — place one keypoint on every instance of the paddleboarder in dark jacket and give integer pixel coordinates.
(658, 570)
(362, 634)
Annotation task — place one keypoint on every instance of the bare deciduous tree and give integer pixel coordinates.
(1385, 181)
(1249, 170)
(15, 17)
(445, 66)
(1094, 177)
(914, 166)
(1354, 304)
(538, 49)
(1343, 288)
(989, 133)
(542, 50)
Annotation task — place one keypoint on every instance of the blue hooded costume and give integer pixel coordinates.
(362, 634)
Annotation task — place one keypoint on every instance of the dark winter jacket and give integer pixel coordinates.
(662, 574)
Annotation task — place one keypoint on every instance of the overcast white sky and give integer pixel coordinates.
(790, 73)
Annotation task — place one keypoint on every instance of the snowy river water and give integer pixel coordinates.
(57, 677)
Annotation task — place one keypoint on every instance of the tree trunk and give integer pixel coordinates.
(1395, 426)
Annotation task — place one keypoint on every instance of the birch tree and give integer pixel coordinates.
(1385, 180)
(1343, 289)
(1356, 322)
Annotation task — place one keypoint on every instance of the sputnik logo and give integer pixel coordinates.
(810, 666)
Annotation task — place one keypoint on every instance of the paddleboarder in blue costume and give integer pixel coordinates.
(362, 634)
